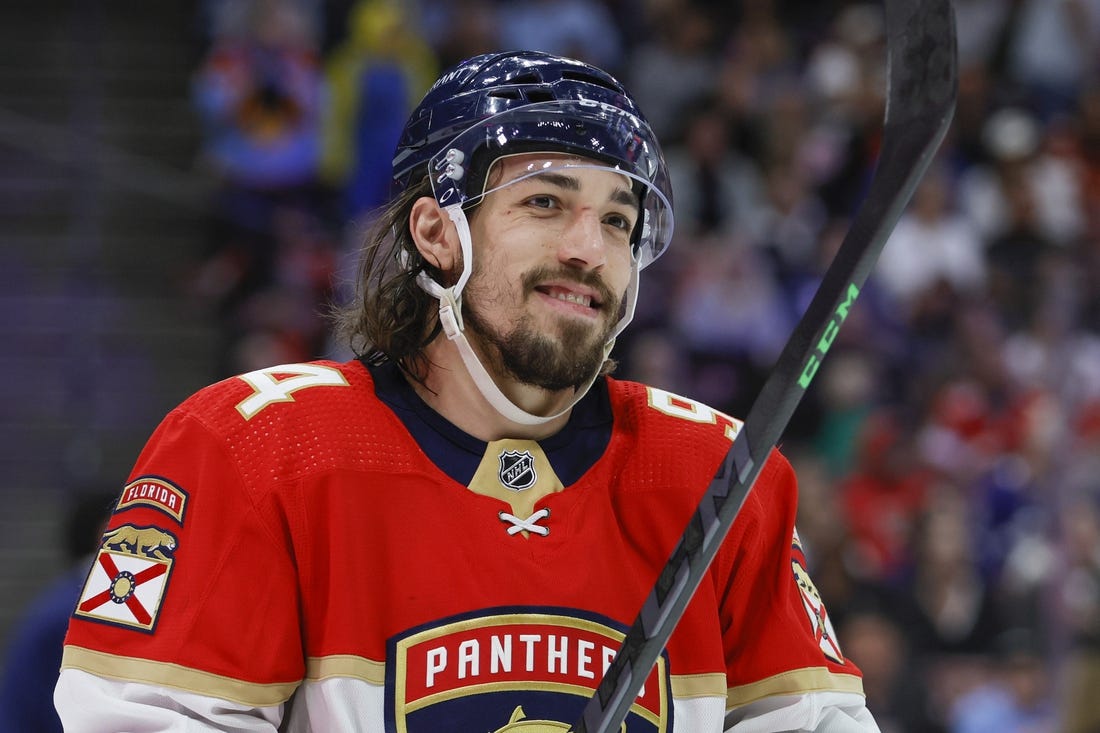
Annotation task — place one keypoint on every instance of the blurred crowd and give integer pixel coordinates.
(949, 449)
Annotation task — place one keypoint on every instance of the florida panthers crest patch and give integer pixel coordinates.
(815, 607)
(511, 670)
(128, 578)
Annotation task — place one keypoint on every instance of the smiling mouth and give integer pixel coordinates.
(566, 296)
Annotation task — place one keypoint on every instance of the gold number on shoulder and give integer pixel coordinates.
(278, 383)
(686, 408)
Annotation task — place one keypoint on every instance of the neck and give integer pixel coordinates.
(449, 389)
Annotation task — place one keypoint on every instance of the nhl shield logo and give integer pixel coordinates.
(517, 470)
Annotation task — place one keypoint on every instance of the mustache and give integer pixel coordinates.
(593, 280)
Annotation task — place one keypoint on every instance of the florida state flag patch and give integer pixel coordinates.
(128, 578)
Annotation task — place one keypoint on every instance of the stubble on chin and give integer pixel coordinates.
(529, 355)
(564, 356)
(561, 357)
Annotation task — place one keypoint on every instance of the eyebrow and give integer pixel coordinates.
(622, 196)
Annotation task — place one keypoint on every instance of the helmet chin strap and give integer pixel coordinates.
(450, 317)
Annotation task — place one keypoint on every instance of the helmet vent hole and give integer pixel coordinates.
(506, 94)
(537, 95)
(590, 79)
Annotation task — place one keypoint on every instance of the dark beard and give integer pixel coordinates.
(531, 357)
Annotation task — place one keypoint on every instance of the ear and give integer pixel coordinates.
(434, 233)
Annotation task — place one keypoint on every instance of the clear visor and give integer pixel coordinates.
(603, 136)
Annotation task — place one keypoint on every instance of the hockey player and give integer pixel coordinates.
(453, 532)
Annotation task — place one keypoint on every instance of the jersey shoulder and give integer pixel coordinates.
(673, 440)
(310, 387)
(317, 414)
(666, 439)
(666, 419)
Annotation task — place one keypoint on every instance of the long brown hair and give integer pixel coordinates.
(391, 317)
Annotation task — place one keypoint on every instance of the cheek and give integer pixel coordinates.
(497, 263)
(619, 266)
(505, 252)
(495, 279)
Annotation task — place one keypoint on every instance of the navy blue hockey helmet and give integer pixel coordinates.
(499, 104)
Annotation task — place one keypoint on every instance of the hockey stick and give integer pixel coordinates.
(920, 101)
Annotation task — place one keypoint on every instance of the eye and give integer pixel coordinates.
(619, 221)
(543, 201)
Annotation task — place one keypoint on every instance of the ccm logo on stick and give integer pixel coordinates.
(826, 340)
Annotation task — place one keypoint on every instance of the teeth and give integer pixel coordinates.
(574, 298)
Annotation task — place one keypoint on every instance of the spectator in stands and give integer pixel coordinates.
(718, 190)
(946, 580)
(878, 639)
(374, 80)
(580, 29)
(931, 244)
(285, 321)
(1024, 152)
(850, 386)
(883, 497)
(259, 99)
(1017, 253)
(33, 657)
(675, 64)
(1078, 601)
(1017, 698)
(729, 313)
(1052, 48)
(844, 77)
(791, 224)
(259, 93)
(460, 29)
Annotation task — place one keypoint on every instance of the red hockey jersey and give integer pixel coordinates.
(285, 545)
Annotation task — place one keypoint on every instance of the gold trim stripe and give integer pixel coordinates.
(346, 665)
(698, 685)
(165, 674)
(795, 682)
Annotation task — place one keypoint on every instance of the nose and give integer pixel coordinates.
(582, 242)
